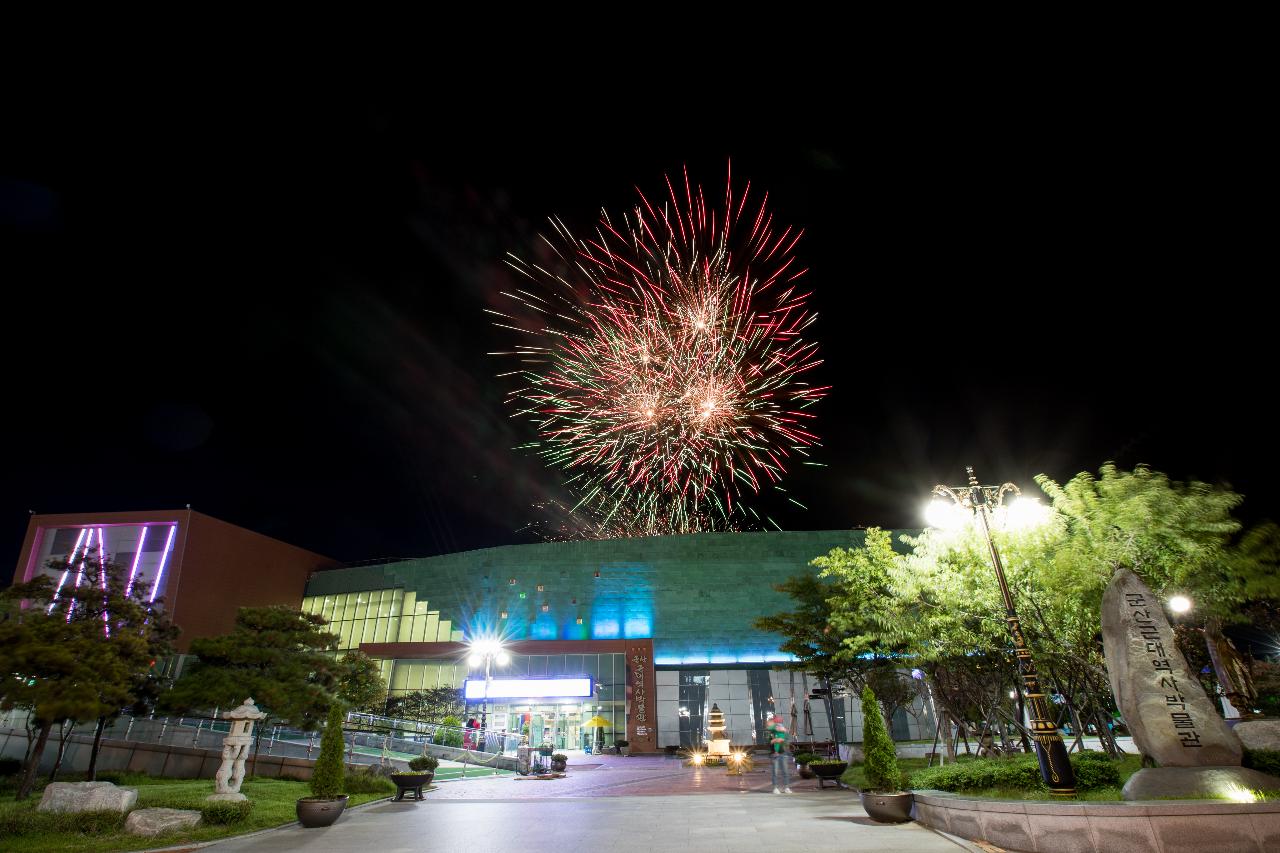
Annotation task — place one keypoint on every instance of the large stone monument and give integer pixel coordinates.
(235, 748)
(1172, 721)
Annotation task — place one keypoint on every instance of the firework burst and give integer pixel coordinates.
(663, 360)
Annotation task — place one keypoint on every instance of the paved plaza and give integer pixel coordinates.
(611, 803)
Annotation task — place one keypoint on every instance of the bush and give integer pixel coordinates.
(365, 783)
(1093, 770)
(23, 821)
(327, 780)
(559, 756)
(881, 766)
(225, 813)
(1263, 760)
(807, 757)
(383, 770)
(449, 737)
(10, 766)
(424, 763)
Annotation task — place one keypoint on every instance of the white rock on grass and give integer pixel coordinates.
(159, 821)
(87, 797)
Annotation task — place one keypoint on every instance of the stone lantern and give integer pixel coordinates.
(235, 748)
(717, 741)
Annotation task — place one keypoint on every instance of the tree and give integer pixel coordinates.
(275, 655)
(82, 652)
(360, 684)
(428, 705)
(1180, 538)
(327, 779)
(881, 759)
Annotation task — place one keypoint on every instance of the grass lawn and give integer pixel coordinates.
(24, 830)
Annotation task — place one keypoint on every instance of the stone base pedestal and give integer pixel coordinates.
(1259, 734)
(235, 797)
(1194, 783)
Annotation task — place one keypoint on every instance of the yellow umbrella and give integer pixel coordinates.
(596, 722)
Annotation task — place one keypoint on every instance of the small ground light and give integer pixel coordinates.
(1179, 604)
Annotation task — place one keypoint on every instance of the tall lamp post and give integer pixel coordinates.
(978, 500)
(486, 651)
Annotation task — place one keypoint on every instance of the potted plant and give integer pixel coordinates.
(828, 769)
(624, 747)
(802, 764)
(421, 771)
(559, 762)
(884, 799)
(327, 802)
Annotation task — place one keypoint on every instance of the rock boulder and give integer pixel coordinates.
(1196, 783)
(87, 797)
(159, 821)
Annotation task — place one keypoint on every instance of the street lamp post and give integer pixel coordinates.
(486, 651)
(1055, 769)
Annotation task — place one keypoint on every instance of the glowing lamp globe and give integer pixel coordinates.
(1179, 604)
(945, 515)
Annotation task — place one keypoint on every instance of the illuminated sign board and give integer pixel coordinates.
(528, 688)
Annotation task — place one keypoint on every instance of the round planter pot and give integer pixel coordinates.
(315, 813)
(805, 772)
(887, 808)
(411, 782)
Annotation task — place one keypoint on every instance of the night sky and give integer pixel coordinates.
(271, 308)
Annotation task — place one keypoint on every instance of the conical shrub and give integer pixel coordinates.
(881, 766)
(328, 778)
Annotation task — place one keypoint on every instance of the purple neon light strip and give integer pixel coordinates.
(137, 558)
(88, 543)
(164, 559)
(71, 558)
(102, 578)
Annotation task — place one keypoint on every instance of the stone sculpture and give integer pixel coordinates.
(235, 748)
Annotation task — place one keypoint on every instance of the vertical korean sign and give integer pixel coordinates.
(642, 723)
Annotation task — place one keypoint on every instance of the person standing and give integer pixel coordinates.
(778, 737)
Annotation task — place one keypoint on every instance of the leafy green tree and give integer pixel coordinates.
(277, 656)
(428, 705)
(881, 759)
(327, 780)
(360, 684)
(1180, 538)
(83, 653)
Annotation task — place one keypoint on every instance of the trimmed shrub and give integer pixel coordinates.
(806, 757)
(383, 770)
(1263, 760)
(225, 813)
(327, 781)
(1093, 770)
(424, 763)
(364, 783)
(881, 765)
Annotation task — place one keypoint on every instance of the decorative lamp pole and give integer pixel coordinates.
(486, 651)
(1055, 769)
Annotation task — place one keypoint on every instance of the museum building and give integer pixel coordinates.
(647, 634)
